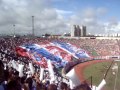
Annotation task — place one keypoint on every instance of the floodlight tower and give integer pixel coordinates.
(33, 33)
(13, 30)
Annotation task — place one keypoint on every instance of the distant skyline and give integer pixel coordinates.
(57, 16)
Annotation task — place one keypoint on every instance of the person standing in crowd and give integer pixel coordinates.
(2, 83)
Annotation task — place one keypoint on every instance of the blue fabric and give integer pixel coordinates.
(37, 52)
(80, 53)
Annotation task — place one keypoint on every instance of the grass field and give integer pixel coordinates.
(97, 72)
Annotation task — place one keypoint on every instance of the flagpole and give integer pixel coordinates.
(91, 81)
(108, 69)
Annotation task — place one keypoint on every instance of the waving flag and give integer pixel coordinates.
(76, 52)
(58, 52)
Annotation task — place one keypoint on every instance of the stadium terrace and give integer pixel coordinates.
(37, 63)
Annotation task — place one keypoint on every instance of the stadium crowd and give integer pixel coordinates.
(10, 78)
(102, 47)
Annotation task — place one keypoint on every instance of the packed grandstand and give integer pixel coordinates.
(23, 70)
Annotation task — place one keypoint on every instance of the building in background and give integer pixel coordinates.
(78, 31)
(84, 31)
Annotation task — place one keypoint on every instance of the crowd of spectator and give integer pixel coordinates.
(9, 76)
(102, 47)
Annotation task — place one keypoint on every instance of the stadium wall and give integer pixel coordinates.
(90, 37)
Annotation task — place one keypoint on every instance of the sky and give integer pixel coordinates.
(59, 16)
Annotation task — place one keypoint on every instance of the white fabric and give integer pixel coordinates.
(51, 72)
(101, 85)
(73, 77)
(41, 74)
(31, 68)
(71, 85)
(20, 69)
(14, 65)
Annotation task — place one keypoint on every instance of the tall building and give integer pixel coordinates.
(72, 31)
(75, 31)
(78, 31)
(84, 31)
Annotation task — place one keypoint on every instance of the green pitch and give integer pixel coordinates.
(97, 71)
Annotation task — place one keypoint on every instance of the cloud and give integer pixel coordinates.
(63, 12)
(90, 17)
(46, 19)
(89, 12)
(113, 26)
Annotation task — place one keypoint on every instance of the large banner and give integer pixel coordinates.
(58, 52)
(76, 52)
